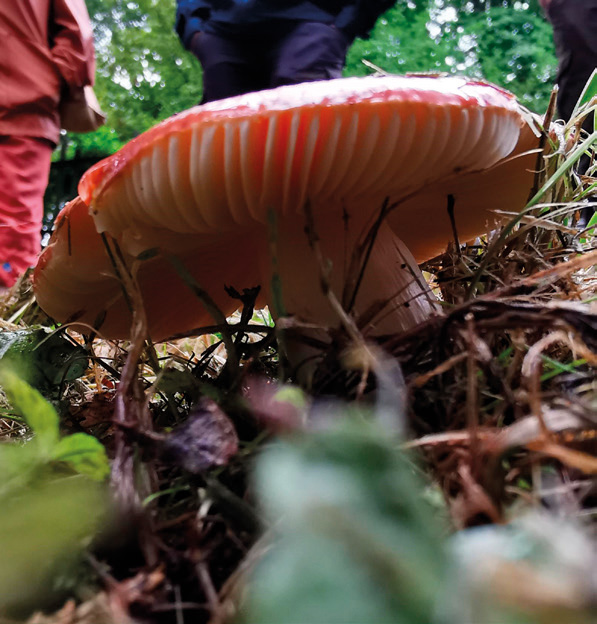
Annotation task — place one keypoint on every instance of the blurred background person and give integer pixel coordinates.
(250, 45)
(46, 49)
(575, 36)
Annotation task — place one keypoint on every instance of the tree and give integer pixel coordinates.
(143, 73)
(508, 43)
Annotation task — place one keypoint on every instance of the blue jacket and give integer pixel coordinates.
(355, 18)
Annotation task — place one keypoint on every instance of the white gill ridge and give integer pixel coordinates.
(240, 168)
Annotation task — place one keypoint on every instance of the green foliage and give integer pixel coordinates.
(514, 49)
(39, 415)
(42, 531)
(82, 452)
(400, 43)
(357, 543)
(45, 359)
(46, 515)
(143, 73)
(508, 43)
(100, 143)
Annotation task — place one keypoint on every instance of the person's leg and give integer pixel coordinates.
(574, 28)
(228, 66)
(575, 36)
(310, 51)
(24, 172)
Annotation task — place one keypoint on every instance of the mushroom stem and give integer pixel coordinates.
(393, 294)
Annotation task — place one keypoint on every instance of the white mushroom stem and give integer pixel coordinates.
(392, 282)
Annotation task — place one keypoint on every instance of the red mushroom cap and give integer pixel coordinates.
(200, 185)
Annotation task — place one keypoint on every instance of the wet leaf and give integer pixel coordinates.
(44, 359)
(207, 439)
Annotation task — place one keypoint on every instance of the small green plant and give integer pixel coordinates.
(20, 462)
(45, 359)
(355, 541)
(47, 514)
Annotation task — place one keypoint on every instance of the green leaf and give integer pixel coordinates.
(37, 412)
(85, 454)
(43, 358)
(292, 395)
(18, 465)
(356, 540)
(42, 529)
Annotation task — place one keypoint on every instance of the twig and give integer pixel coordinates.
(450, 208)
(421, 380)
(130, 409)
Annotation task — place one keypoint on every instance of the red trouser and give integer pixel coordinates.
(24, 171)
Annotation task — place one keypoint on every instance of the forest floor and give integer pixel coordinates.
(446, 474)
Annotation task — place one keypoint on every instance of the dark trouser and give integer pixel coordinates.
(575, 36)
(236, 64)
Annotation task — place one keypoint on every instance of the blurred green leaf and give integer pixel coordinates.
(357, 542)
(18, 464)
(85, 454)
(43, 528)
(37, 412)
(292, 395)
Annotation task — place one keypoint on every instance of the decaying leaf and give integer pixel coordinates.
(206, 439)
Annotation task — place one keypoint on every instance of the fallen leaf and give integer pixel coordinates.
(206, 439)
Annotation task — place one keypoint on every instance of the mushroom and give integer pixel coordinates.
(205, 184)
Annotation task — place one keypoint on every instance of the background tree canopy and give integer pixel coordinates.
(144, 75)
